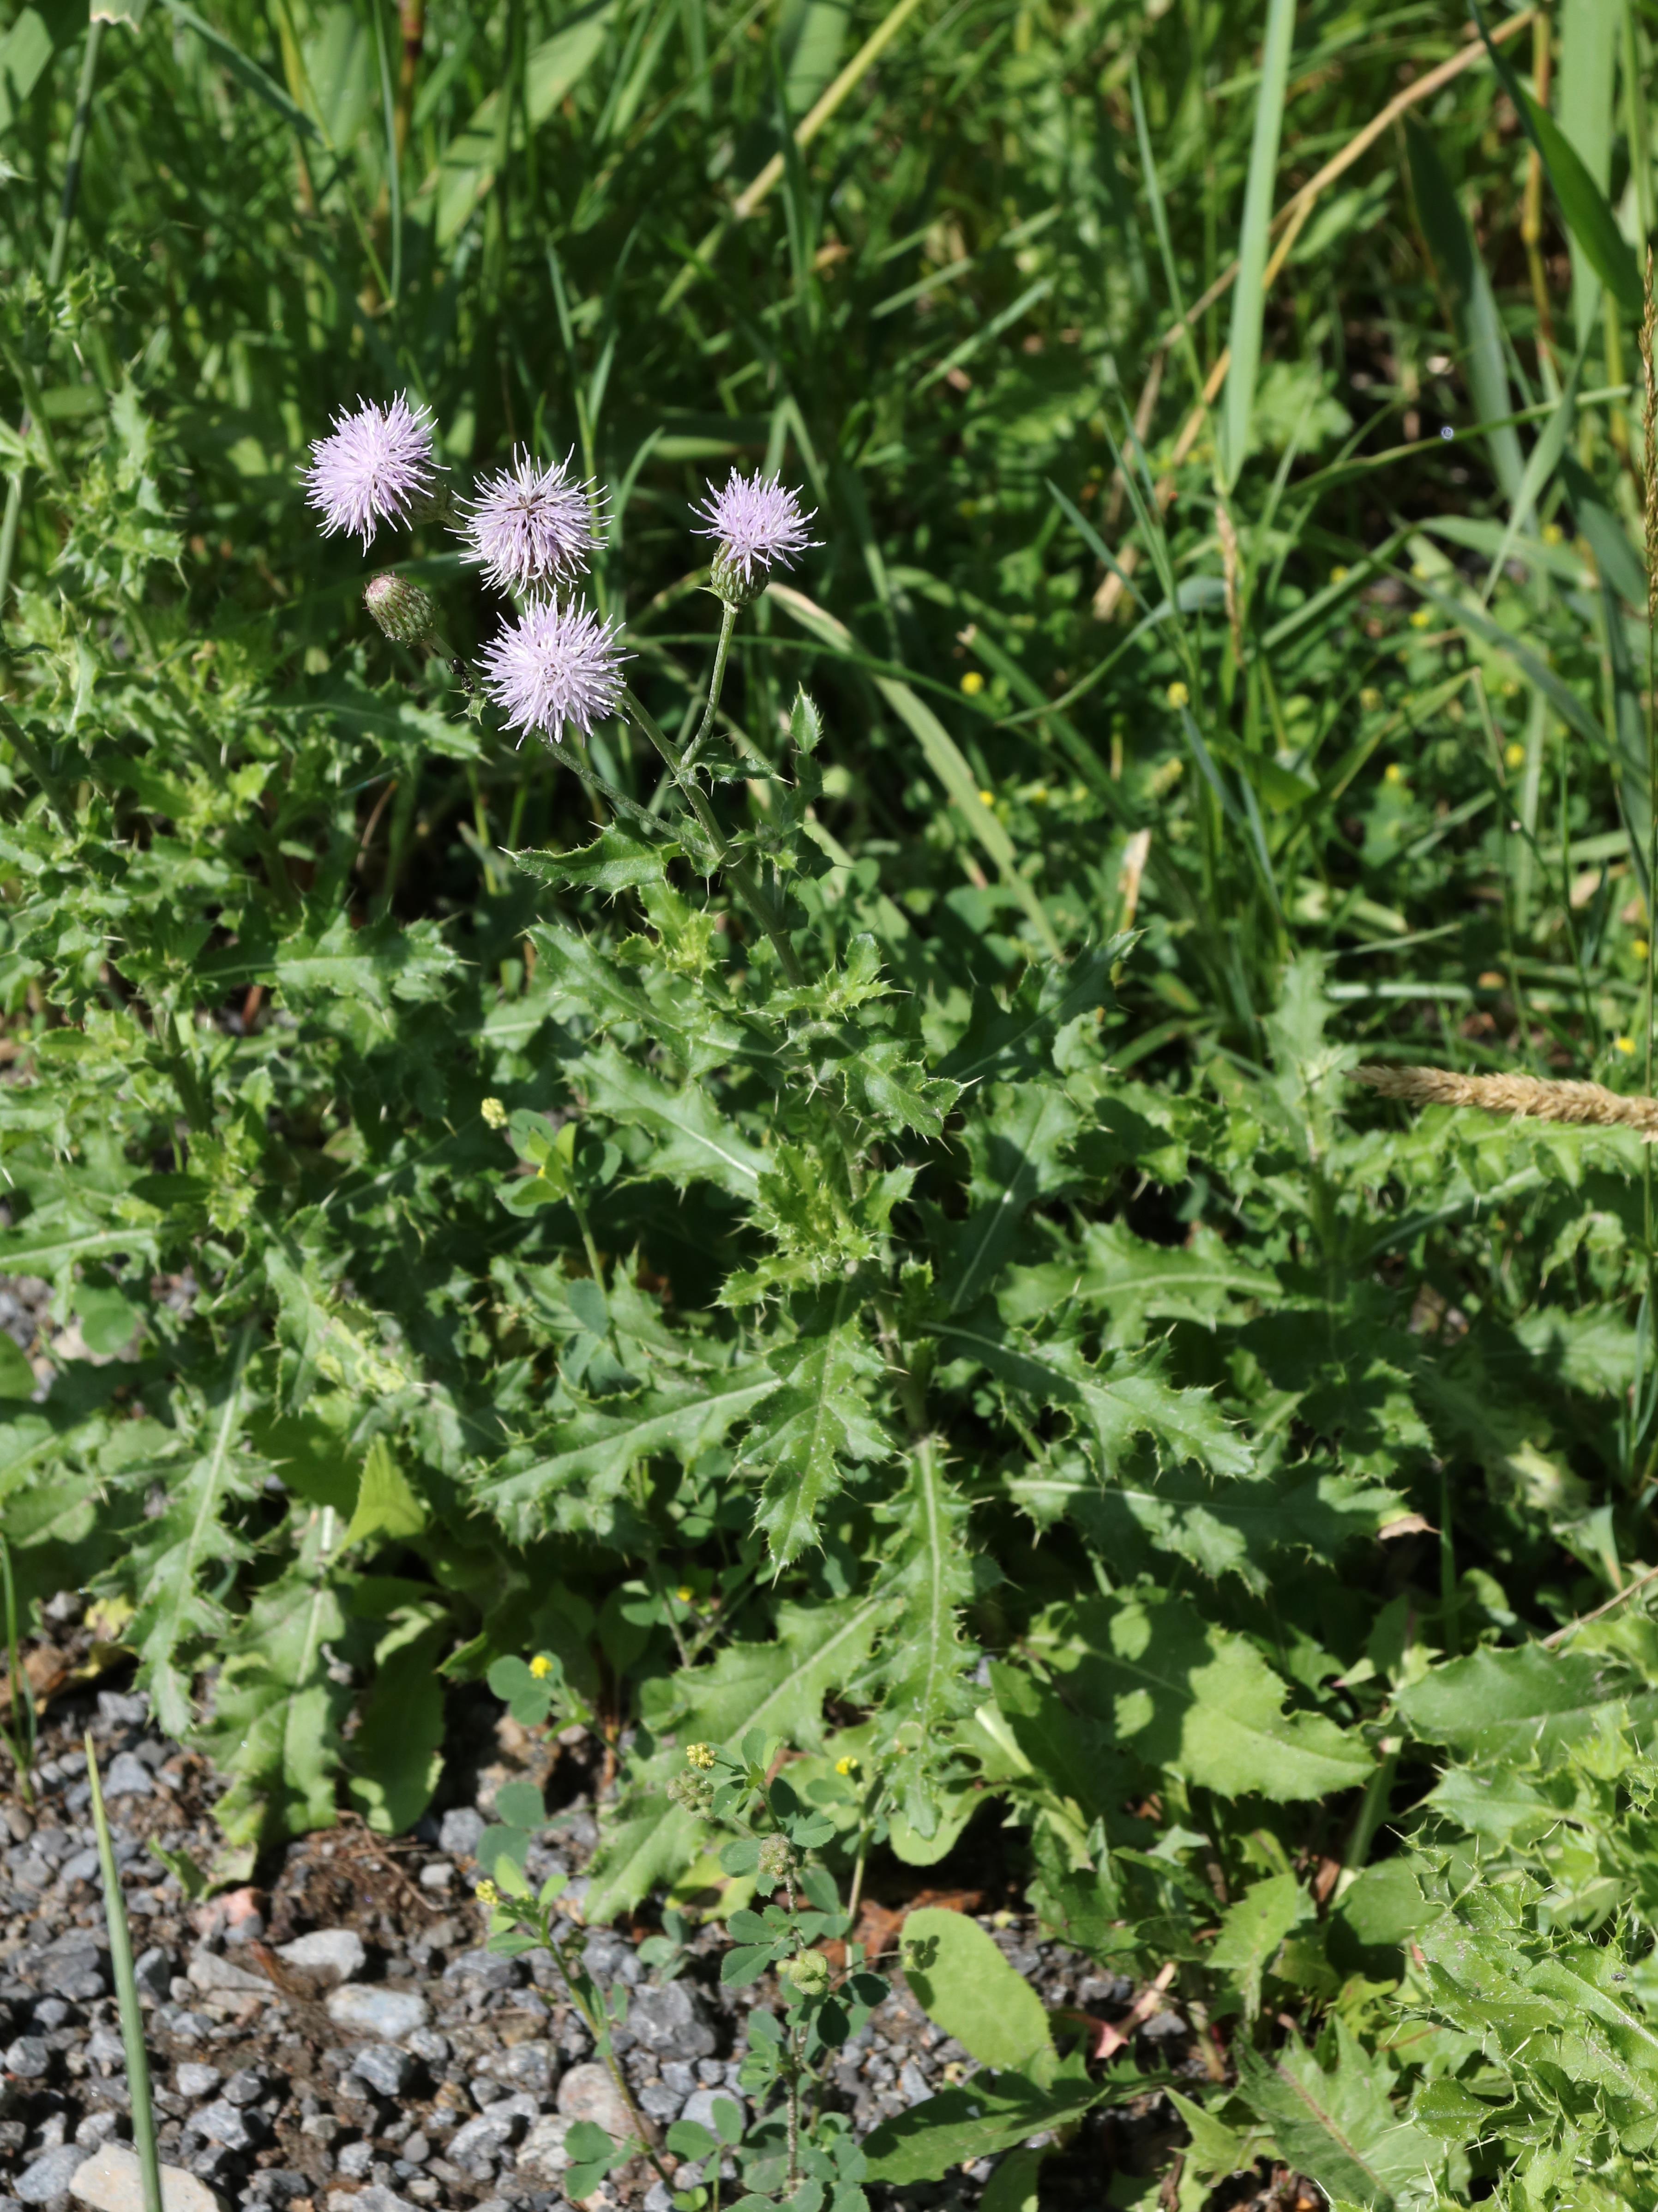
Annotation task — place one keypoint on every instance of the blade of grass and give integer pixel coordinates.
(1249, 300)
(1588, 47)
(21, 1731)
(126, 1997)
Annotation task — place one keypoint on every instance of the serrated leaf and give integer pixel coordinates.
(176, 1554)
(1526, 1700)
(1337, 2123)
(1119, 1399)
(597, 1448)
(1115, 1273)
(1018, 1145)
(1184, 1693)
(1000, 1038)
(1252, 1932)
(617, 861)
(276, 1727)
(816, 1423)
(774, 1690)
(694, 1142)
(387, 1507)
(991, 2112)
(888, 1081)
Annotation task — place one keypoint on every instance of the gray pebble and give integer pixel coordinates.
(245, 2087)
(426, 2043)
(128, 1777)
(355, 2160)
(416, 2149)
(679, 2074)
(385, 2068)
(700, 2106)
(483, 2137)
(83, 1867)
(661, 2102)
(672, 2021)
(51, 2176)
(459, 1832)
(914, 2085)
(153, 1971)
(231, 2125)
(193, 2079)
(29, 2058)
(385, 2014)
(336, 1951)
(122, 1709)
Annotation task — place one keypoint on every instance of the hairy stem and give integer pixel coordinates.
(716, 683)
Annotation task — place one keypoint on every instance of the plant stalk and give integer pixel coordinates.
(56, 258)
(126, 1997)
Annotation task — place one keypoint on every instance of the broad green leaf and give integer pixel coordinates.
(1003, 1039)
(397, 1754)
(963, 1982)
(1204, 1280)
(989, 2114)
(25, 51)
(1184, 1693)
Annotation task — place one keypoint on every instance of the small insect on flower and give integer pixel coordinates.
(541, 1666)
(554, 664)
(757, 524)
(973, 683)
(1178, 695)
(494, 1114)
(529, 525)
(699, 1755)
(374, 466)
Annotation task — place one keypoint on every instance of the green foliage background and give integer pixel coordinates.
(990, 1338)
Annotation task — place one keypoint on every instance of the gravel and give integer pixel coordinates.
(339, 2040)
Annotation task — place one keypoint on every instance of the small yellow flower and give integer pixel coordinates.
(1514, 755)
(1625, 1045)
(1553, 535)
(684, 1593)
(1039, 795)
(987, 799)
(1369, 698)
(847, 1765)
(541, 1666)
(1339, 574)
(973, 683)
(487, 1893)
(494, 1113)
(1420, 570)
(1510, 689)
(1640, 948)
(1392, 773)
(699, 1755)
(1178, 695)
(1421, 617)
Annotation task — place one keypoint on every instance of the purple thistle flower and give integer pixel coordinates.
(554, 664)
(759, 527)
(373, 467)
(529, 525)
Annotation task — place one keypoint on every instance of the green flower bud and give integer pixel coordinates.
(810, 1973)
(777, 1858)
(404, 610)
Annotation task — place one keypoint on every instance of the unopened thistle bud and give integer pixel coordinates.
(404, 610)
(810, 1973)
(777, 1859)
(757, 525)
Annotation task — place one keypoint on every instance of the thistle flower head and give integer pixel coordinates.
(554, 664)
(757, 525)
(529, 525)
(404, 610)
(374, 466)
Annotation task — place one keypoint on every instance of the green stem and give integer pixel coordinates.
(727, 623)
(78, 138)
(27, 750)
(126, 1997)
(759, 900)
(20, 1734)
(599, 2029)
